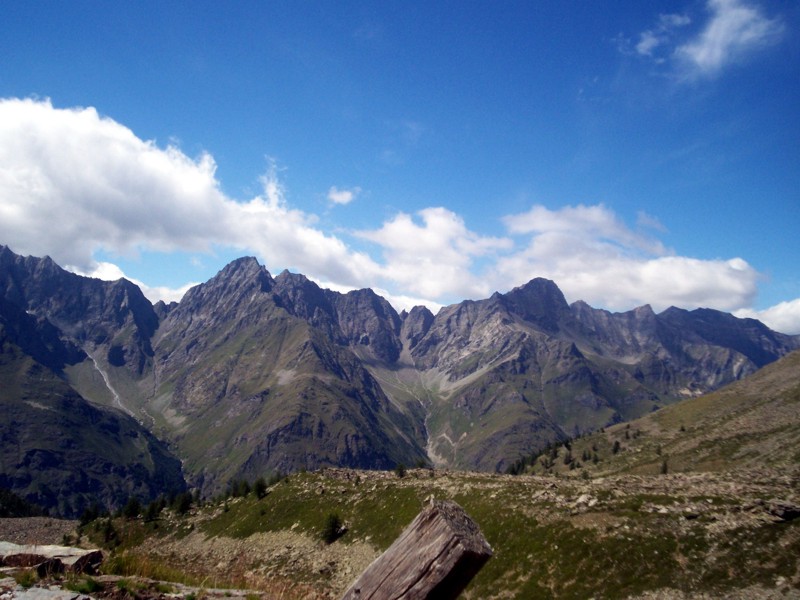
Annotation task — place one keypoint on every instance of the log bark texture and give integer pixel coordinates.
(436, 556)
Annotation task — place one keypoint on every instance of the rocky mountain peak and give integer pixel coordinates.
(369, 322)
(416, 324)
(644, 312)
(749, 337)
(303, 298)
(539, 301)
(238, 279)
(243, 273)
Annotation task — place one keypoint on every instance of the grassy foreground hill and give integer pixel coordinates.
(682, 535)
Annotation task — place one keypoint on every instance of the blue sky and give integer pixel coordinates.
(632, 152)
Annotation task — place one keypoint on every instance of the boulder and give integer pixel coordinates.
(783, 510)
(51, 559)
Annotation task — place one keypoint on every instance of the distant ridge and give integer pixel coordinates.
(252, 374)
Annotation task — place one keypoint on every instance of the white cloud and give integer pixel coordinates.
(73, 182)
(433, 258)
(647, 221)
(345, 196)
(651, 39)
(734, 31)
(593, 256)
(672, 21)
(586, 222)
(783, 317)
(648, 41)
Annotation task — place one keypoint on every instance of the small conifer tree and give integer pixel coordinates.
(260, 488)
(132, 508)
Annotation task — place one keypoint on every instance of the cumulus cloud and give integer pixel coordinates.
(434, 257)
(345, 196)
(734, 30)
(586, 222)
(783, 317)
(73, 182)
(593, 256)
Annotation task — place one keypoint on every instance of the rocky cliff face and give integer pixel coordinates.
(524, 368)
(256, 375)
(112, 317)
(251, 374)
(57, 449)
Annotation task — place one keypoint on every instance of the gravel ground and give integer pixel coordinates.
(35, 530)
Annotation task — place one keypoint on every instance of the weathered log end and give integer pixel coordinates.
(436, 556)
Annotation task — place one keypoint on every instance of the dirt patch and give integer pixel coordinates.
(324, 570)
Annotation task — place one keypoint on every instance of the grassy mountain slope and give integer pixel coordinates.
(748, 424)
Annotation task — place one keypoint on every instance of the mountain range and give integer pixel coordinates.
(251, 374)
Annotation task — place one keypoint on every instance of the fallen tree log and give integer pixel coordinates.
(436, 556)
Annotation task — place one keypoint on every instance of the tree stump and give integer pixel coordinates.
(436, 556)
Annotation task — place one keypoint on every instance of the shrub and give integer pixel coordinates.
(242, 488)
(400, 470)
(84, 586)
(110, 536)
(25, 578)
(90, 513)
(333, 528)
(152, 511)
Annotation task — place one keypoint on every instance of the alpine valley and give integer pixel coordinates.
(105, 395)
